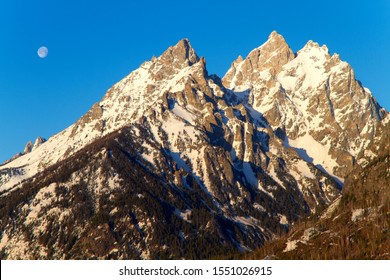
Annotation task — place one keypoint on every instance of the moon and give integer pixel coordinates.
(43, 52)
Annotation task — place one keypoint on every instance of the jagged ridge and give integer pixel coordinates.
(193, 133)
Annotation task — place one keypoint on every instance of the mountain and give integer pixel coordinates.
(312, 97)
(176, 163)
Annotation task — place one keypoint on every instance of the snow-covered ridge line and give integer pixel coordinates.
(124, 103)
(311, 97)
(311, 93)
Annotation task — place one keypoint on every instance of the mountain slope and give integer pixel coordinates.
(171, 163)
(354, 226)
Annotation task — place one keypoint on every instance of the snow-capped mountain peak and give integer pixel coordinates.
(312, 93)
(124, 103)
(170, 147)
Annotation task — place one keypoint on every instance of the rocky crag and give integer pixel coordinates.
(176, 163)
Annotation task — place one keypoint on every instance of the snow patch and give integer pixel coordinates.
(314, 152)
(248, 221)
(283, 220)
(357, 214)
(183, 215)
(183, 113)
(290, 245)
(304, 169)
(275, 177)
(307, 234)
(249, 174)
(331, 208)
(259, 207)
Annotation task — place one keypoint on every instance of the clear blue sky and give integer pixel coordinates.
(93, 44)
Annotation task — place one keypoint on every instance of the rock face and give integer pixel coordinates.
(312, 97)
(354, 226)
(173, 164)
(28, 148)
(38, 142)
(261, 65)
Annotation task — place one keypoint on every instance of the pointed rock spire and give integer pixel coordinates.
(272, 55)
(28, 148)
(38, 142)
(174, 59)
(182, 53)
(276, 37)
(275, 52)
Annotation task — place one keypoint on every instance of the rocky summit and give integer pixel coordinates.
(175, 163)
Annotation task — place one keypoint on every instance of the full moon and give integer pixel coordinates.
(42, 52)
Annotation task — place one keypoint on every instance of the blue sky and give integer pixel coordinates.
(93, 44)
